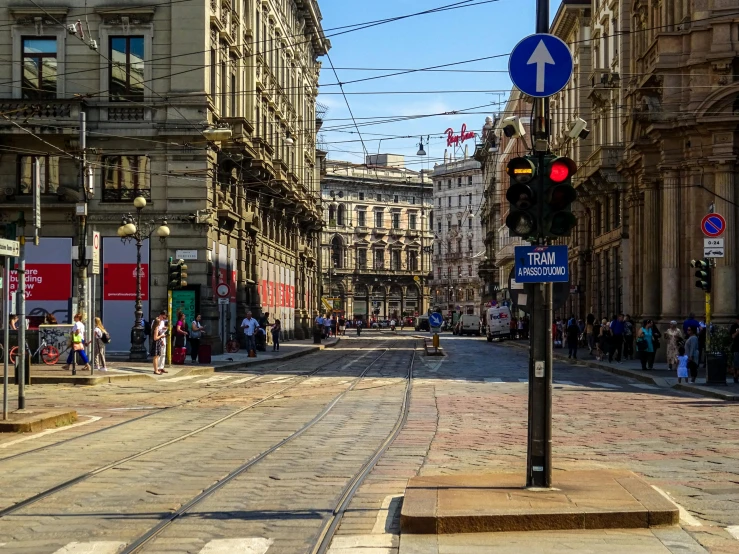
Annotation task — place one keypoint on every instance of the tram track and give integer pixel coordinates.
(296, 380)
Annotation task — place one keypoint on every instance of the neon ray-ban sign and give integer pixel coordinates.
(456, 140)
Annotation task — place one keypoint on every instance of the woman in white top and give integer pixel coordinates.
(100, 332)
(196, 332)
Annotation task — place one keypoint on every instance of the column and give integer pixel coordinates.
(670, 245)
(724, 282)
(650, 255)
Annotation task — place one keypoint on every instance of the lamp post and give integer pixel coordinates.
(132, 228)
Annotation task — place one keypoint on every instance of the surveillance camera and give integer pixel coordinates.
(579, 129)
(512, 127)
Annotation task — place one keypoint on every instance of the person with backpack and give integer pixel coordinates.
(101, 339)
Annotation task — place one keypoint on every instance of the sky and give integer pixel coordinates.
(485, 28)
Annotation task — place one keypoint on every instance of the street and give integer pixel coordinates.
(262, 460)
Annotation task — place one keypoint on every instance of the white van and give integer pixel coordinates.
(469, 325)
(499, 323)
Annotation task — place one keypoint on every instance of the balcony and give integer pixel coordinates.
(361, 229)
(412, 233)
(396, 232)
(45, 116)
(124, 194)
(380, 231)
(603, 159)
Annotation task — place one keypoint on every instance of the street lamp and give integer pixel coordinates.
(132, 228)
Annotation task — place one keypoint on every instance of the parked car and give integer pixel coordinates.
(422, 323)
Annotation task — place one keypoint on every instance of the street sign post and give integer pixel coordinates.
(223, 290)
(96, 253)
(9, 248)
(540, 65)
(435, 320)
(713, 225)
(542, 264)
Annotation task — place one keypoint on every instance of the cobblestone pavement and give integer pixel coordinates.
(467, 414)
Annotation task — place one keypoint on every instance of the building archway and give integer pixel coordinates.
(361, 301)
(395, 302)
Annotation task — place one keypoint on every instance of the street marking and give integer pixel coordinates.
(252, 545)
(568, 383)
(734, 531)
(50, 431)
(385, 516)
(100, 547)
(244, 380)
(363, 544)
(282, 378)
(606, 385)
(214, 379)
(644, 386)
(493, 380)
(185, 378)
(685, 516)
(133, 408)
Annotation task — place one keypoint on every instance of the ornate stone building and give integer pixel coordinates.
(458, 236)
(376, 243)
(206, 109)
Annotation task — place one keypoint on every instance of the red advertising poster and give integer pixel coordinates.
(45, 282)
(119, 282)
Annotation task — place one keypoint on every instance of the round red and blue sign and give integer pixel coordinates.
(713, 225)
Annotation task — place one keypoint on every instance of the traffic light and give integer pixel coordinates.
(559, 194)
(177, 274)
(522, 217)
(703, 274)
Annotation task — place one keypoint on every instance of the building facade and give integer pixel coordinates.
(208, 111)
(458, 236)
(376, 242)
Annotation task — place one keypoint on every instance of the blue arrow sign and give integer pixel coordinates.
(435, 319)
(540, 65)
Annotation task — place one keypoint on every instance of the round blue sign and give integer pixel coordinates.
(435, 319)
(540, 65)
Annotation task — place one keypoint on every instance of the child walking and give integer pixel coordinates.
(682, 365)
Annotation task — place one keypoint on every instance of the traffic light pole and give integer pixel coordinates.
(539, 447)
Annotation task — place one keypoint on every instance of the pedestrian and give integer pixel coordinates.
(77, 345)
(628, 338)
(359, 327)
(605, 341)
(590, 333)
(276, 328)
(163, 326)
(327, 326)
(265, 324)
(180, 336)
(520, 330)
(617, 330)
(734, 333)
(393, 323)
(249, 325)
(692, 350)
(342, 325)
(196, 333)
(675, 339)
(50, 319)
(690, 322)
(158, 350)
(645, 344)
(14, 322)
(682, 365)
(102, 338)
(573, 333)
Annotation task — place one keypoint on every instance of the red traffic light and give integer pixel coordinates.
(561, 169)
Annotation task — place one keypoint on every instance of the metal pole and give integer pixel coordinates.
(6, 333)
(81, 226)
(21, 301)
(170, 337)
(92, 324)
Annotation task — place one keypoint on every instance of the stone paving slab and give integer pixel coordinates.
(24, 421)
(470, 503)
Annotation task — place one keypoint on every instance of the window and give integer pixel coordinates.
(412, 260)
(459, 181)
(469, 181)
(49, 172)
(469, 272)
(379, 197)
(449, 183)
(379, 219)
(232, 107)
(395, 198)
(459, 200)
(395, 260)
(459, 245)
(361, 258)
(470, 294)
(459, 224)
(459, 271)
(449, 201)
(438, 247)
(39, 68)
(379, 259)
(469, 223)
(341, 215)
(413, 200)
(438, 273)
(362, 218)
(469, 245)
(361, 196)
(412, 221)
(439, 226)
(448, 225)
(439, 199)
(469, 199)
(125, 178)
(439, 185)
(396, 220)
(126, 68)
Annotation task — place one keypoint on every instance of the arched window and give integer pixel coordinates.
(337, 252)
(341, 215)
(332, 214)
